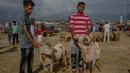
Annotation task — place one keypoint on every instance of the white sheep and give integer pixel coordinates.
(90, 51)
(51, 54)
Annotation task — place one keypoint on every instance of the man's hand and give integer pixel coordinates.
(75, 38)
(35, 44)
(88, 32)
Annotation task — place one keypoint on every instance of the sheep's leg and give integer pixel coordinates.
(44, 62)
(51, 67)
(65, 39)
(43, 59)
(98, 65)
(46, 72)
(60, 61)
(90, 67)
(65, 60)
(93, 64)
(85, 66)
(45, 69)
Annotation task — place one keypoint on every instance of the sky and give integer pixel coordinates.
(61, 9)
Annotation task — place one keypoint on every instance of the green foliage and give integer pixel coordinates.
(32, 20)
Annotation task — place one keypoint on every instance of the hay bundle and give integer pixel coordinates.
(92, 36)
(112, 36)
(99, 36)
(90, 52)
(117, 35)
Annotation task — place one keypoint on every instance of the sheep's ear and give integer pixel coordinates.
(44, 38)
(53, 45)
(52, 48)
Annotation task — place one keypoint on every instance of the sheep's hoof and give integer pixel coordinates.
(63, 70)
(46, 72)
(92, 70)
(100, 70)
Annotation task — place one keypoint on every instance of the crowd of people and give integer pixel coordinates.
(123, 26)
(108, 27)
(11, 29)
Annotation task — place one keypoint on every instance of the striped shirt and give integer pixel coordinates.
(80, 23)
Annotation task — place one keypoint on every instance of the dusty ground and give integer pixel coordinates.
(115, 56)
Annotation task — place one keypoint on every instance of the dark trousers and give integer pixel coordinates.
(26, 58)
(15, 37)
(74, 59)
(9, 37)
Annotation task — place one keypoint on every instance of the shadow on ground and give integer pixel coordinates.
(38, 69)
(3, 47)
(55, 70)
(129, 70)
(12, 49)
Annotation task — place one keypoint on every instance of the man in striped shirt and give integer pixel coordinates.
(79, 25)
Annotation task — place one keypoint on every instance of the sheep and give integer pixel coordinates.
(117, 35)
(51, 54)
(90, 52)
(66, 37)
(112, 36)
(97, 36)
(92, 36)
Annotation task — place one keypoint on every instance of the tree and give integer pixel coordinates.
(32, 20)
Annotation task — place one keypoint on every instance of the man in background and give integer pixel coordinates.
(27, 41)
(9, 32)
(33, 27)
(15, 33)
(94, 27)
(128, 24)
(106, 28)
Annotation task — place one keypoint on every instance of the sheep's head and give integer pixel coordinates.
(92, 38)
(40, 39)
(45, 49)
(85, 40)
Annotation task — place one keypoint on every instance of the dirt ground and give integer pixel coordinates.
(115, 57)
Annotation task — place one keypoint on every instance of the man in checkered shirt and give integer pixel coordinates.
(26, 39)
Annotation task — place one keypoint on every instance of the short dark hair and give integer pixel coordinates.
(28, 2)
(14, 21)
(81, 3)
(9, 23)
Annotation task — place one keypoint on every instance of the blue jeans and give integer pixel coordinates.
(26, 58)
(9, 37)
